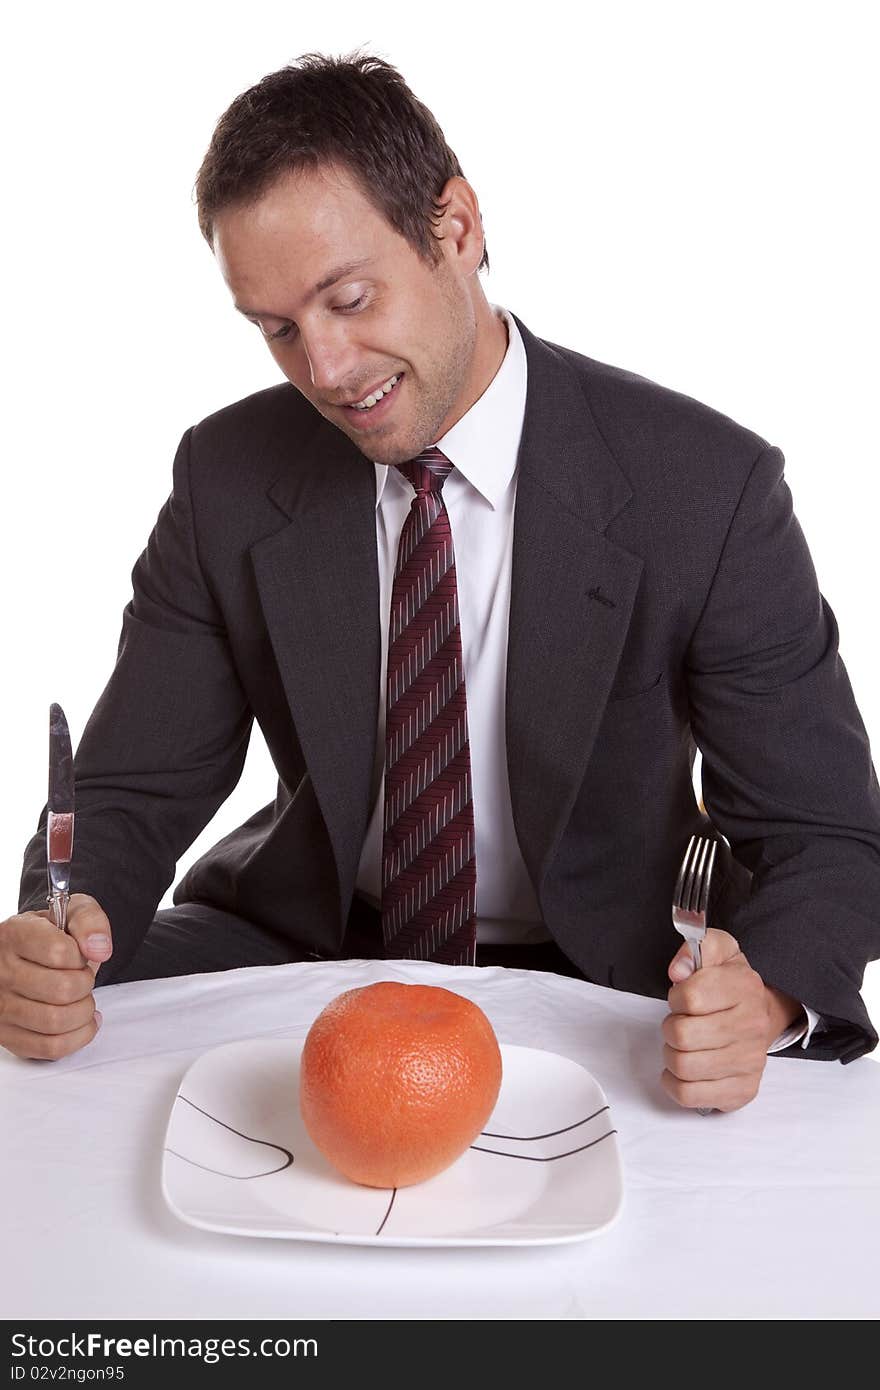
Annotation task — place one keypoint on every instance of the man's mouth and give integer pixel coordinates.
(377, 403)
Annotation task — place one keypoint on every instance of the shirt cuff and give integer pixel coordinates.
(802, 1028)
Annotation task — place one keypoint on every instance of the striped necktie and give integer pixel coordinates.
(429, 853)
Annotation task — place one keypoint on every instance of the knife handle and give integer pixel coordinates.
(58, 904)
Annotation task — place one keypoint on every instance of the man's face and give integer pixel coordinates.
(389, 314)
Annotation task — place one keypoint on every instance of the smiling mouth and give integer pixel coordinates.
(369, 402)
(364, 416)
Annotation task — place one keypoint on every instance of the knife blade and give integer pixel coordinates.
(60, 814)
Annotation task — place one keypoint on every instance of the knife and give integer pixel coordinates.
(59, 822)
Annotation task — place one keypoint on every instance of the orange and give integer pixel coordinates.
(397, 1080)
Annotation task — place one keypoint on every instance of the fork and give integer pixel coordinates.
(691, 899)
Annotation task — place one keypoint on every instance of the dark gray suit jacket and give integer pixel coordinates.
(662, 597)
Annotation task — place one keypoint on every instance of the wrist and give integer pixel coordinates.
(782, 1012)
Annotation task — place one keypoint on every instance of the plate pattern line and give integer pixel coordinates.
(236, 1177)
(550, 1158)
(551, 1134)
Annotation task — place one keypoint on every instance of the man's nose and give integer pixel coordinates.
(332, 359)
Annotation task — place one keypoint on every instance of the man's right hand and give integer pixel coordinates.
(47, 978)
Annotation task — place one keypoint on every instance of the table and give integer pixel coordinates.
(770, 1212)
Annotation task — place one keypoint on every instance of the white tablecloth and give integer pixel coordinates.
(772, 1211)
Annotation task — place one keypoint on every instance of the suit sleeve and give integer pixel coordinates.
(166, 742)
(787, 771)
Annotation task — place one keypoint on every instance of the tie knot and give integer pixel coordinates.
(428, 472)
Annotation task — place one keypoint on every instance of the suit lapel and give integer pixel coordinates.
(572, 594)
(319, 587)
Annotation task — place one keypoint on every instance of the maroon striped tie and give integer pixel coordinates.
(429, 872)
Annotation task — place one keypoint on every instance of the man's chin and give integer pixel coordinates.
(387, 451)
(388, 446)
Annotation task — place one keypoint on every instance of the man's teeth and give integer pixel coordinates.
(369, 401)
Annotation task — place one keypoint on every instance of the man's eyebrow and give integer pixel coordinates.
(339, 273)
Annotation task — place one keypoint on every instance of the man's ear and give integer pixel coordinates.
(461, 227)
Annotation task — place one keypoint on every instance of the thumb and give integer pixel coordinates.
(719, 946)
(89, 925)
(682, 964)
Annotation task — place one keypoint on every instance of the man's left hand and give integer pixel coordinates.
(723, 1019)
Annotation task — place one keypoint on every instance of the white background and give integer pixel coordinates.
(684, 190)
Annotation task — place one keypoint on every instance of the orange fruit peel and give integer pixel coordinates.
(397, 1081)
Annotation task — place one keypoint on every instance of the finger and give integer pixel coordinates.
(36, 1016)
(89, 926)
(729, 1094)
(33, 937)
(22, 1042)
(682, 964)
(718, 946)
(715, 987)
(700, 1032)
(714, 1064)
(48, 986)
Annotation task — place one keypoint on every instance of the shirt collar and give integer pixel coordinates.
(496, 417)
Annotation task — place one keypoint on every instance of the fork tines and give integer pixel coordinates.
(692, 886)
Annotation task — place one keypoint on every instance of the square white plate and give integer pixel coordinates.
(239, 1160)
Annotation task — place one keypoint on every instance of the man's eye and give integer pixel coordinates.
(270, 337)
(290, 328)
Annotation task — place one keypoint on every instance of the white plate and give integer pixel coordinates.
(238, 1159)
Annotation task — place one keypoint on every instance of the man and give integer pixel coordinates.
(484, 596)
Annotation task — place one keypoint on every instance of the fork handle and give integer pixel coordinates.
(698, 964)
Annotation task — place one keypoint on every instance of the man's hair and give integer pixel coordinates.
(354, 111)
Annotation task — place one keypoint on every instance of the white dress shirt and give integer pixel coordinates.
(480, 495)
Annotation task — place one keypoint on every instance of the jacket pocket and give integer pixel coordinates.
(628, 689)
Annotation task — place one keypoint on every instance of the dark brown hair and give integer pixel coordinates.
(355, 111)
